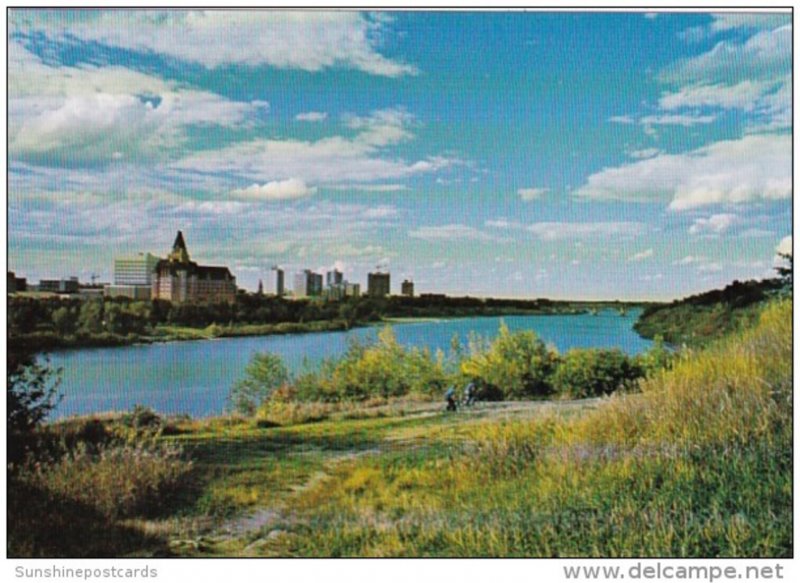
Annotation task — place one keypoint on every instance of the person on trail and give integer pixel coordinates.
(450, 397)
(470, 393)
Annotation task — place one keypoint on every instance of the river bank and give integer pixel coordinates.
(45, 341)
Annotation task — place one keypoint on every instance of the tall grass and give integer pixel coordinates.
(86, 478)
(697, 464)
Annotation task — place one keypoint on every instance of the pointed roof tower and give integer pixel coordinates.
(179, 252)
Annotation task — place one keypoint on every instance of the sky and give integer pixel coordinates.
(508, 154)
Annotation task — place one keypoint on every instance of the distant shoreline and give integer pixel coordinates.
(44, 343)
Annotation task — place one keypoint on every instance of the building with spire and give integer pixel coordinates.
(179, 279)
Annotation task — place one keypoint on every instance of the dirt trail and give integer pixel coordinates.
(263, 526)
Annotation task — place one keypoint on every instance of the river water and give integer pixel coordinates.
(195, 377)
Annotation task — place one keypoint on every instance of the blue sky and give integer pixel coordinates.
(562, 155)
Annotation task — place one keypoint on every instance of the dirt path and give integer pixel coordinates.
(253, 533)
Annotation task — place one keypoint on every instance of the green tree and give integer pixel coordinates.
(264, 374)
(347, 313)
(31, 393)
(90, 319)
(785, 271)
(518, 364)
(64, 320)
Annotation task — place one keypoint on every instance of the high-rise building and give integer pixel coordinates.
(179, 279)
(307, 283)
(378, 285)
(316, 284)
(334, 277)
(280, 287)
(352, 290)
(407, 288)
(133, 276)
(135, 270)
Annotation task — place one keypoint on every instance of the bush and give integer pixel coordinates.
(31, 393)
(383, 369)
(517, 364)
(142, 419)
(264, 374)
(595, 372)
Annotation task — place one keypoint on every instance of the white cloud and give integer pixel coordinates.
(382, 127)
(747, 20)
(212, 207)
(709, 267)
(528, 194)
(642, 255)
(370, 187)
(334, 160)
(305, 40)
(681, 120)
(558, 231)
(380, 212)
(735, 171)
(90, 114)
(501, 224)
(450, 233)
(644, 153)
(715, 224)
(765, 55)
(312, 116)
(742, 95)
(626, 119)
(752, 76)
(289, 189)
(785, 246)
(689, 260)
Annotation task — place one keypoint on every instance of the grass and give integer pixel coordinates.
(171, 333)
(697, 463)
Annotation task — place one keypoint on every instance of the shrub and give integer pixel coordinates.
(142, 419)
(264, 374)
(31, 393)
(382, 369)
(594, 372)
(518, 364)
(656, 358)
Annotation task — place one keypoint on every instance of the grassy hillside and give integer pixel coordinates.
(697, 463)
(698, 319)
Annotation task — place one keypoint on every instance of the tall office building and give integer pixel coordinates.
(135, 270)
(307, 283)
(316, 284)
(407, 288)
(133, 276)
(334, 277)
(280, 286)
(378, 285)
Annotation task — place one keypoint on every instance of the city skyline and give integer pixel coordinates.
(563, 155)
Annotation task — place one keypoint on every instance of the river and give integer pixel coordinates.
(194, 377)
